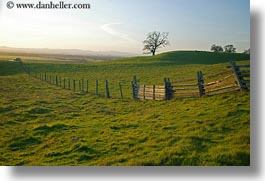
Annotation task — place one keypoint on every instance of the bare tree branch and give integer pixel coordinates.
(154, 41)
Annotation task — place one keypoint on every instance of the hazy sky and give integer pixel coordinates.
(121, 25)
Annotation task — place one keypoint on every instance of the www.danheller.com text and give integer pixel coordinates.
(50, 5)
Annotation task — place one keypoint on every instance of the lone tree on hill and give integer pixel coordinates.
(154, 41)
(216, 48)
(230, 49)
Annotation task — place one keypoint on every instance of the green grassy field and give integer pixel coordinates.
(50, 58)
(42, 124)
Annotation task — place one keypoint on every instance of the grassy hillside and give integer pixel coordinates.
(59, 58)
(149, 70)
(188, 57)
(45, 125)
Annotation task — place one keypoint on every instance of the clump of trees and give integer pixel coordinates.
(226, 49)
(230, 49)
(154, 41)
(216, 48)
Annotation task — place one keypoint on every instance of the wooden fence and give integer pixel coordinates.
(235, 78)
(152, 92)
(83, 86)
(242, 75)
(191, 87)
(219, 83)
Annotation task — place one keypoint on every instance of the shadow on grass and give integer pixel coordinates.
(45, 130)
(22, 143)
(10, 68)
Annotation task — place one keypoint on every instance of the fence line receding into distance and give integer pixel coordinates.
(235, 78)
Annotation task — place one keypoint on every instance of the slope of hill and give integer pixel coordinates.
(42, 124)
(60, 55)
(188, 57)
(65, 52)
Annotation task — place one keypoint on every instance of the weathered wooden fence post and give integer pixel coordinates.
(96, 87)
(168, 89)
(120, 86)
(69, 84)
(86, 86)
(154, 92)
(201, 83)
(144, 91)
(79, 85)
(64, 83)
(107, 89)
(83, 84)
(240, 80)
(45, 76)
(135, 88)
(60, 81)
(74, 85)
(56, 80)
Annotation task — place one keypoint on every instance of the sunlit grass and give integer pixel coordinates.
(42, 124)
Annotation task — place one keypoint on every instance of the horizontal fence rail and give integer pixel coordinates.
(236, 78)
(151, 92)
(242, 75)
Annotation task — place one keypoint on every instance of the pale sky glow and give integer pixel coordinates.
(110, 29)
(121, 25)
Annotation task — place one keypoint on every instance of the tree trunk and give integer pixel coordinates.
(154, 52)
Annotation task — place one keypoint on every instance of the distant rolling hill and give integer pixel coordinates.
(77, 56)
(188, 57)
(62, 54)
